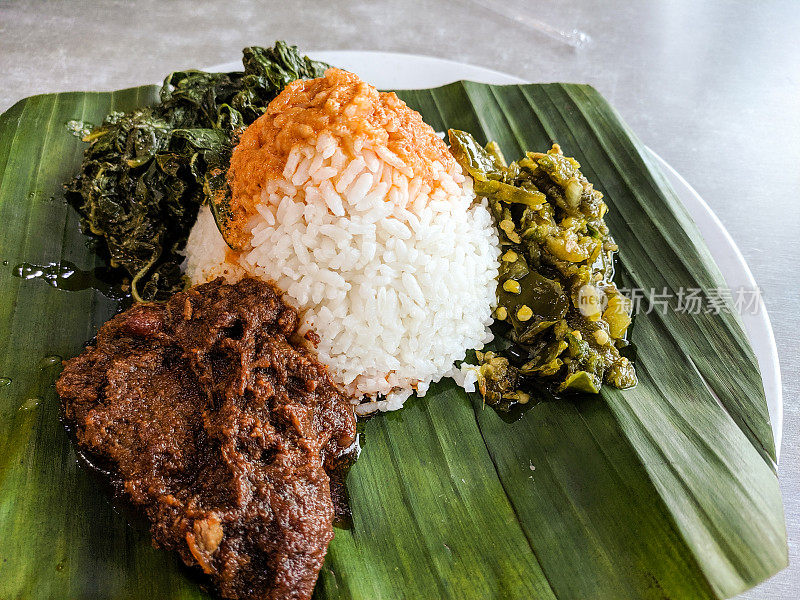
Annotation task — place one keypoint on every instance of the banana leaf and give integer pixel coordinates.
(667, 490)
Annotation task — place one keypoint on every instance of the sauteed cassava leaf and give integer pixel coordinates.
(146, 172)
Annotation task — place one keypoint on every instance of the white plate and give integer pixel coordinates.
(388, 70)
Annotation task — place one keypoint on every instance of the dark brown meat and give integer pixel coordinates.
(211, 419)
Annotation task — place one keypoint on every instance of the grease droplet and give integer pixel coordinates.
(67, 276)
(4, 381)
(29, 404)
(49, 361)
(79, 129)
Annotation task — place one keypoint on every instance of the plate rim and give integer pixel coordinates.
(440, 71)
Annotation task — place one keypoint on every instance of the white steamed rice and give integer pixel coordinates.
(396, 278)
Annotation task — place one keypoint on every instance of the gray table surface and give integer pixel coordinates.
(714, 87)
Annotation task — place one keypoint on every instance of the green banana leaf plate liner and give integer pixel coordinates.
(666, 490)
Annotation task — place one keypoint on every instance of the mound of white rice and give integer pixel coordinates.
(397, 277)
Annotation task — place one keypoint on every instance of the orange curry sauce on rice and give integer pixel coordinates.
(347, 108)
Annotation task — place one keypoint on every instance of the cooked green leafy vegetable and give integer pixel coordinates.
(146, 172)
(562, 316)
